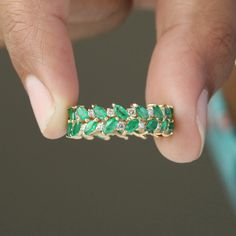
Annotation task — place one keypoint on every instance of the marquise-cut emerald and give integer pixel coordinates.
(90, 127)
(169, 111)
(142, 112)
(171, 127)
(132, 125)
(151, 125)
(76, 128)
(121, 112)
(71, 113)
(110, 126)
(100, 112)
(164, 125)
(158, 112)
(82, 113)
(69, 128)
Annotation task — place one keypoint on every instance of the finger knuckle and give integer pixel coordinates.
(220, 53)
(221, 43)
(22, 30)
(100, 11)
(18, 18)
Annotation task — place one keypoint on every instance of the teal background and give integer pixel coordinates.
(68, 188)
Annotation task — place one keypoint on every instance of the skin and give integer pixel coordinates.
(193, 57)
(230, 95)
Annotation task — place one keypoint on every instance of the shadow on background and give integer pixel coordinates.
(67, 187)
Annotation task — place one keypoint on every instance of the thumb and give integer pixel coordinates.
(194, 56)
(36, 38)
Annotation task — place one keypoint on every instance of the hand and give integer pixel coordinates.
(194, 56)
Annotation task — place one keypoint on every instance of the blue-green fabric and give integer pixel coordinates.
(221, 139)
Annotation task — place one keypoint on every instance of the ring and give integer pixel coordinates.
(155, 120)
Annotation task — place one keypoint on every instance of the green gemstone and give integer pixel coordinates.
(110, 126)
(71, 113)
(169, 111)
(164, 125)
(121, 112)
(82, 113)
(171, 127)
(142, 112)
(100, 112)
(90, 127)
(158, 112)
(69, 128)
(132, 125)
(151, 125)
(76, 128)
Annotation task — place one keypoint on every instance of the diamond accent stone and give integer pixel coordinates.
(158, 128)
(150, 112)
(99, 127)
(91, 113)
(110, 112)
(82, 127)
(121, 126)
(131, 111)
(141, 125)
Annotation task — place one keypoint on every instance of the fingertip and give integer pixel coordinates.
(50, 110)
(180, 151)
(56, 127)
(186, 143)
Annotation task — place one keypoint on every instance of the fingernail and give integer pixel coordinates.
(201, 117)
(41, 101)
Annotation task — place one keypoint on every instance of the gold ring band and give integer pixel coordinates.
(155, 120)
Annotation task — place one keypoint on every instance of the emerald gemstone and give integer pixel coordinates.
(169, 111)
(71, 113)
(142, 112)
(121, 112)
(90, 127)
(69, 128)
(164, 125)
(151, 125)
(158, 112)
(110, 126)
(100, 112)
(76, 128)
(171, 127)
(132, 125)
(82, 113)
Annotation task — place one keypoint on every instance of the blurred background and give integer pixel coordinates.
(67, 187)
